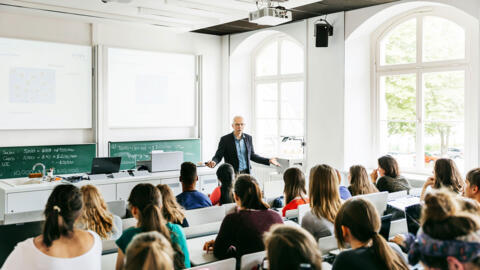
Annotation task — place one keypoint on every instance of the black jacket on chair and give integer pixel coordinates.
(228, 150)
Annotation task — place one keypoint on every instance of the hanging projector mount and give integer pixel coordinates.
(270, 14)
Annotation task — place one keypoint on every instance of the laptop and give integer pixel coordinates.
(385, 228)
(106, 165)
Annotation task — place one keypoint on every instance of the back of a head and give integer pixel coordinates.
(389, 165)
(360, 182)
(447, 175)
(95, 215)
(294, 184)
(188, 173)
(447, 231)
(172, 211)
(473, 177)
(289, 247)
(361, 218)
(63, 207)
(246, 188)
(226, 176)
(149, 251)
(324, 192)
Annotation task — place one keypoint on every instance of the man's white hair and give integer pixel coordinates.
(235, 117)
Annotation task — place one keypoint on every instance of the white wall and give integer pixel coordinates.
(66, 29)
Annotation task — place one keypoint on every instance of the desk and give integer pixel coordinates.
(403, 203)
(197, 255)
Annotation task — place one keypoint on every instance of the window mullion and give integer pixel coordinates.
(420, 123)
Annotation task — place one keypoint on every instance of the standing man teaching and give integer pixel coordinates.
(237, 149)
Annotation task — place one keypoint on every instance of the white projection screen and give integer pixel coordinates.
(45, 85)
(150, 89)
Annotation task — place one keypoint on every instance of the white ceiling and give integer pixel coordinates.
(177, 15)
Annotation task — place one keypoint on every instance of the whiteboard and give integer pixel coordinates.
(45, 85)
(150, 89)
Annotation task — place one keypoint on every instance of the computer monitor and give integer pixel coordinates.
(105, 165)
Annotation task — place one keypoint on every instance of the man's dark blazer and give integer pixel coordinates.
(227, 149)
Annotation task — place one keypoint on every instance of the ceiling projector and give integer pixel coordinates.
(270, 16)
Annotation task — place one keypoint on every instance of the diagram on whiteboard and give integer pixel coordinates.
(32, 85)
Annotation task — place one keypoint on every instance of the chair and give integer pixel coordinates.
(327, 244)
(302, 210)
(13, 234)
(109, 247)
(292, 214)
(118, 208)
(397, 195)
(229, 208)
(248, 261)
(202, 230)
(228, 264)
(205, 215)
(109, 261)
(398, 227)
(378, 199)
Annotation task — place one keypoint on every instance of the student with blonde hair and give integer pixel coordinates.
(96, 217)
(291, 247)
(294, 189)
(324, 201)
(359, 181)
(358, 224)
(172, 211)
(149, 251)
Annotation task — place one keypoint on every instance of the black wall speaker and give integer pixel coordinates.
(322, 31)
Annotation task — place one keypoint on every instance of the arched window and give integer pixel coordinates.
(279, 97)
(421, 68)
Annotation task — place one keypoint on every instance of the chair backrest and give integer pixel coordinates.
(128, 222)
(229, 208)
(378, 199)
(326, 244)
(248, 261)
(202, 230)
(228, 264)
(118, 208)
(12, 234)
(302, 210)
(205, 215)
(398, 227)
(397, 195)
(292, 214)
(109, 247)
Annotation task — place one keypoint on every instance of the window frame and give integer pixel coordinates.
(277, 79)
(419, 68)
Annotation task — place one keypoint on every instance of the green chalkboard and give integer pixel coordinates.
(140, 150)
(18, 161)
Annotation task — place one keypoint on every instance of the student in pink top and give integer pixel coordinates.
(294, 190)
(223, 194)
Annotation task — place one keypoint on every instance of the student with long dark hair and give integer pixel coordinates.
(449, 237)
(472, 187)
(294, 189)
(390, 179)
(145, 203)
(61, 245)
(242, 232)
(359, 181)
(223, 194)
(358, 224)
(445, 175)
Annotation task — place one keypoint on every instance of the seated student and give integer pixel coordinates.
(359, 181)
(190, 198)
(324, 201)
(472, 187)
(294, 189)
(96, 217)
(358, 224)
(343, 190)
(172, 211)
(223, 194)
(449, 238)
(242, 232)
(61, 246)
(149, 251)
(145, 203)
(291, 247)
(390, 179)
(445, 175)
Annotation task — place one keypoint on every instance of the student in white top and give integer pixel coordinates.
(61, 246)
